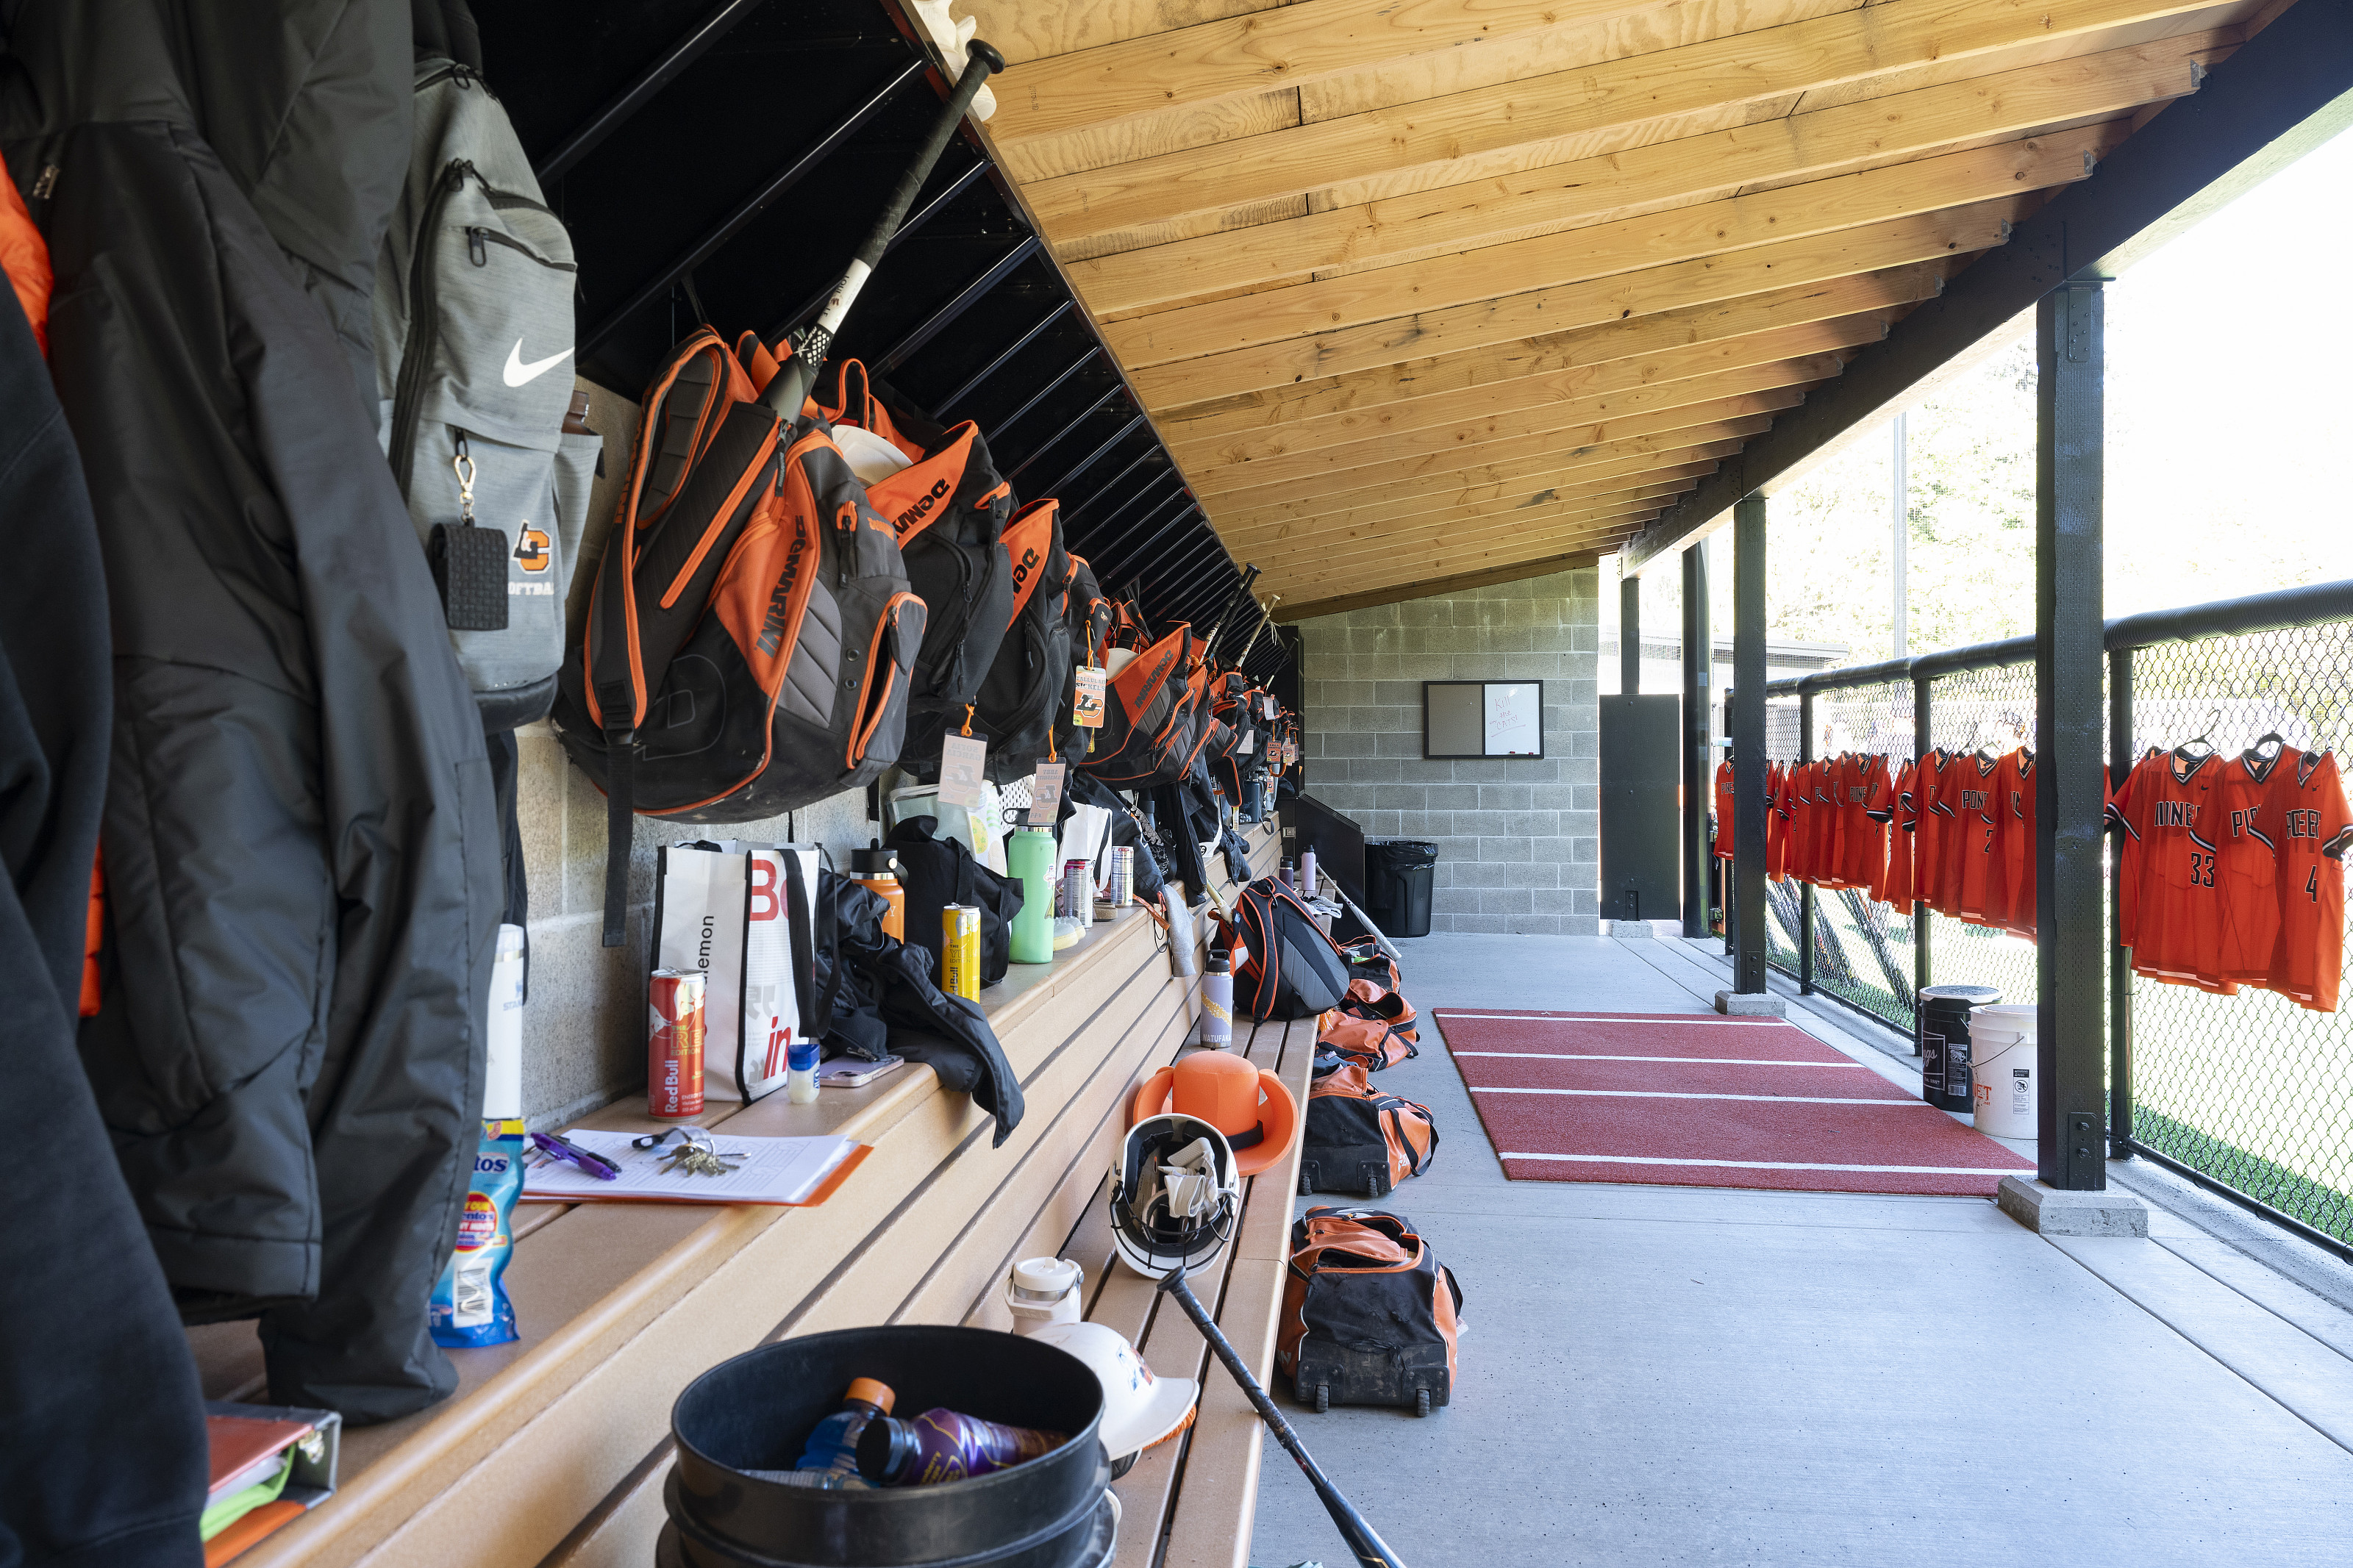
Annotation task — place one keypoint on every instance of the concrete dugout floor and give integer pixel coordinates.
(1686, 1375)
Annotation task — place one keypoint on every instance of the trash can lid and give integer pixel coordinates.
(1975, 996)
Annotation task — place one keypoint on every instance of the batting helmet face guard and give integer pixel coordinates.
(1176, 1195)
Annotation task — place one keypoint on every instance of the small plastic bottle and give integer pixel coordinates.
(831, 1458)
(800, 1070)
(943, 1445)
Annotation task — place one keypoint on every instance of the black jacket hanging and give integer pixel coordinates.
(299, 838)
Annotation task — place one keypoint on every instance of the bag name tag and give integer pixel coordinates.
(1087, 705)
(1249, 744)
(962, 758)
(1046, 793)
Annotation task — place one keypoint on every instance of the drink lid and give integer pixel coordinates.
(875, 861)
(873, 1391)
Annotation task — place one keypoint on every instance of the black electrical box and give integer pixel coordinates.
(1641, 808)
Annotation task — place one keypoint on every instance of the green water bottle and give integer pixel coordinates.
(1031, 858)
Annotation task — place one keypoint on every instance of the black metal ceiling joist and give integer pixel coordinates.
(664, 70)
(2286, 91)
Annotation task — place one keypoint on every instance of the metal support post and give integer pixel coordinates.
(1698, 645)
(1746, 724)
(2120, 998)
(1805, 889)
(1629, 636)
(1922, 733)
(2068, 656)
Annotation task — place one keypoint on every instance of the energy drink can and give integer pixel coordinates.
(674, 999)
(960, 951)
(1079, 893)
(1122, 874)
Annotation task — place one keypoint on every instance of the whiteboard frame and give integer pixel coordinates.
(1482, 756)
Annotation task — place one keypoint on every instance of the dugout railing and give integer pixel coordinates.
(2249, 1095)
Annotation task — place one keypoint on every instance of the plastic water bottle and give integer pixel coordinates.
(831, 1458)
(943, 1445)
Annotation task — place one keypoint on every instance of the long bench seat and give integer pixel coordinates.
(553, 1447)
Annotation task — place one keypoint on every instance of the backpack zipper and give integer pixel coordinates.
(418, 349)
(477, 239)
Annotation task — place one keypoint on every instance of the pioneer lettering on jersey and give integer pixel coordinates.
(772, 624)
(2304, 825)
(1975, 799)
(2173, 813)
(907, 519)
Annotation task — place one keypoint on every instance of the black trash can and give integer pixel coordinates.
(1398, 874)
(1943, 1041)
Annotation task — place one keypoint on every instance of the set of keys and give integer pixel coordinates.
(694, 1155)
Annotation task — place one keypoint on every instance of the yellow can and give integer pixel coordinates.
(960, 951)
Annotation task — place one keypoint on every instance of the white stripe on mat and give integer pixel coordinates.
(1720, 1061)
(1673, 1094)
(1778, 1165)
(1598, 1018)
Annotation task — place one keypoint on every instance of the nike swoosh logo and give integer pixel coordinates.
(519, 373)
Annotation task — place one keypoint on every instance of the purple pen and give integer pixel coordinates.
(557, 1148)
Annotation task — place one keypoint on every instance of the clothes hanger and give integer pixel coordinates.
(2271, 738)
(2203, 738)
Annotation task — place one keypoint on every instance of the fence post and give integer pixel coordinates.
(2069, 347)
(1699, 645)
(1923, 737)
(2120, 762)
(1745, 898)
(1805, 889)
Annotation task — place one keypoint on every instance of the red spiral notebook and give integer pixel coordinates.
(251, 1447)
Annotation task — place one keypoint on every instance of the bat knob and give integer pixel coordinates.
(984, 53)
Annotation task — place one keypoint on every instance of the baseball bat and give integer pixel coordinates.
(790, 387)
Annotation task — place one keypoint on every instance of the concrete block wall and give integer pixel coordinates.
(1518, 839)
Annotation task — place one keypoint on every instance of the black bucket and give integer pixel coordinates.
(1944, 1042)
(757, 1411)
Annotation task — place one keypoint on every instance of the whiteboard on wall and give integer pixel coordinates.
(1482, 719)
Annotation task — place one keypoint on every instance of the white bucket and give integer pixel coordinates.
(2002, 1067)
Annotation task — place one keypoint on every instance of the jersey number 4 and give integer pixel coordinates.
(2312, 884)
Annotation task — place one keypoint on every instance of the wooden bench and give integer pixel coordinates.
(554, 1449)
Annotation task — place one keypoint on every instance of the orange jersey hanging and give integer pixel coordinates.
(1777, 824)
(2247, 827)
(1723, 809)
(2308, 957)
(1928, 825)
(2167, 807)
(2014, 840)
(1897, 888)
(1977, 885)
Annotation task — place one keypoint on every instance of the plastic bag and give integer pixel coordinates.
(469, 1301)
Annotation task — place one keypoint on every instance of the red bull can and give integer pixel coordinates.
(1122, 874)
(960, 950)
(674, 1000)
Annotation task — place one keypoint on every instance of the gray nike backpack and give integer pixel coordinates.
(473, 351)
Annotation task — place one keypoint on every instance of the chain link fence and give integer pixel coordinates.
(2252, 1092)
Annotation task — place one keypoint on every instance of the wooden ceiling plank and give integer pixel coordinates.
(1286, 47)
(1025, 30)
(1489, 482)
(1467, 529)
(1514, 125)
(1450, 559)
(1679, 403)
(1373, 598)
(1595, 191)
(1948, 236)
(1477, 500)
(1542, 463)
(1260, 423)
(1818, 208)
(1760, 359)
(1575, 441)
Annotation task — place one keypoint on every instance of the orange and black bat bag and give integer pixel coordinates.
(1023, 694)
(1146, 736)
(1357, 1138)
(751, 636)
(1368, 1042)
(1369, 1315)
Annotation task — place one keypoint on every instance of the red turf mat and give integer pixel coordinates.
(1692, 1102)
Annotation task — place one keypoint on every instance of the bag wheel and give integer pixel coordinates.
(1306, 1181)
(1377, 1182)
(1420, 1406)
(1322, 1398)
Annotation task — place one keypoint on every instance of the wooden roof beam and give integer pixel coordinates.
(1559, 426)
(1946, 237)
(1404, 396)
(1537, 120)
(1597, 191)
(1461, 528)
(1475, 502)
(1704, 232)
(2287, 90)
(1461, 583)
(1721, 420)
(1448, 557)
(1690, 375)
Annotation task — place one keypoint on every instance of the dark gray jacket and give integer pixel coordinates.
(302, 857)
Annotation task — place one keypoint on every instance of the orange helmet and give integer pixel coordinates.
(1250, 1106)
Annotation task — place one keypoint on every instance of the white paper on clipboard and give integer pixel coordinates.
(774, 1171)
